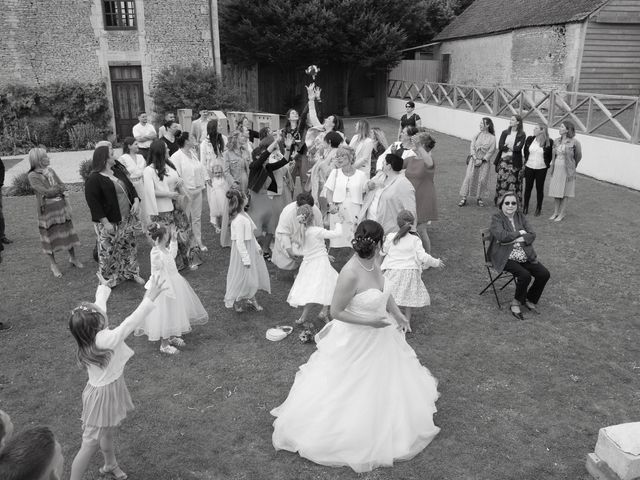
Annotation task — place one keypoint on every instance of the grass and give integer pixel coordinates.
(519, 400)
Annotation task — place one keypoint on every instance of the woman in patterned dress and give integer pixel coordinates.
(54, 211)
(114, 205)
(483, 148)
(508, 162)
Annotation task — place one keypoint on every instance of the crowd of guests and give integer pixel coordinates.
(362, 195)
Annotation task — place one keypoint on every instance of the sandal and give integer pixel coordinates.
(169, 350)
(532, 307)
(515, 311)
(56, 271)
(177, 342)
(113, 472)
(480, 203)
(324, 316)
(252, 304)
(76, 263)
(462, 202)
(300, 321)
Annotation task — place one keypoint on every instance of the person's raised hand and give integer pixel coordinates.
(156, 287)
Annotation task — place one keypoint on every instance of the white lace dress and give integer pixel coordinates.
(362, 400)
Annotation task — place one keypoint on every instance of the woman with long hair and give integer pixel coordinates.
(211, 150)
(508, 161)
(167, 201)
(54, 212)
(135, 165)
(567, 153)
(481, 152)
(114, 204)
(538, 151)
(362, 143)
(329, 416)
(193, 174)
(236, 161)
(380, 144)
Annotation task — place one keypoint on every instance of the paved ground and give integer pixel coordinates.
(65, 164)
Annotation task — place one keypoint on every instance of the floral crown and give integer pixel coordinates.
(84, 308)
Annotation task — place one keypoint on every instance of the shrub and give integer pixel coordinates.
(84, 136)
(85, 169)
(195, 87)
(21, 186)
(43, 114)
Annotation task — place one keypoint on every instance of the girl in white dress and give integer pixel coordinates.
(316, 279)
(247, 270)
(179, 308)
(404, 260)
(363, 399)
(218, 195)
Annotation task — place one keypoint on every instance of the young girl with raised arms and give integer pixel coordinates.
(316, 279)
(247, 270)
(102, 351)
(402, 265)
(179, 306)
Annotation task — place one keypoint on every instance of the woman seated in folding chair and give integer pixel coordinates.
(511, 250)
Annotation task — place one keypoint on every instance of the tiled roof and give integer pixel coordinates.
(485, 17)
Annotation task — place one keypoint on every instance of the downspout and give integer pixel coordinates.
(215, 37)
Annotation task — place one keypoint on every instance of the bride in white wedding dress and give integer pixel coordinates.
(363, 399)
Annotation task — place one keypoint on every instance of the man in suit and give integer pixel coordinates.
(385, 200)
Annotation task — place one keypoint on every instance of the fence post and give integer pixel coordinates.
(635, 131)
(496, 103)
(552, 108)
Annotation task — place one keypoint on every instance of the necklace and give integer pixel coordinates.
(365, 268)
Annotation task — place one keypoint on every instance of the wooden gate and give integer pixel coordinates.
(128, 99)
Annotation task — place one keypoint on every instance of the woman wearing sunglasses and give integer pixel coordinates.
(511, 250)
(409, 119)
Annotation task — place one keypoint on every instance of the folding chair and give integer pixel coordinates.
(493, 275)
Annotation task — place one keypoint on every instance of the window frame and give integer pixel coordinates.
(119, 14)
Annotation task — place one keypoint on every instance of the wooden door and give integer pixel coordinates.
(128, 98)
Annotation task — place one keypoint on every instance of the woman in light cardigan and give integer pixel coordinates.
(193, 174)
(135, 164)
(567, 153)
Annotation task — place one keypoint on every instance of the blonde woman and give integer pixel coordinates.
(54, 212)
(567, 153)
(362, 143)
(344, 191)
(482, 151)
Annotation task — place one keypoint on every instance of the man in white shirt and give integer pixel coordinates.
(144, 133)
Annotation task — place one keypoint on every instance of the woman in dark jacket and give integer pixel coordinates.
(538, 149)
(114, 205)
(511, 250)
(508, 162)
(266, 185)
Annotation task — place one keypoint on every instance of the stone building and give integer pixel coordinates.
(124, 43)
(581, 45)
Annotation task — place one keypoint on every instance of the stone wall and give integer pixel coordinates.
(545, 56)
(49, 41)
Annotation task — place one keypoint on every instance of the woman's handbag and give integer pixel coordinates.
(469, 158)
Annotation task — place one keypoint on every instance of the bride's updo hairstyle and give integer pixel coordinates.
(156, 230)
(368, 237)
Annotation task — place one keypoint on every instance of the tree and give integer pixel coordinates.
(195, 87)
(292, 34)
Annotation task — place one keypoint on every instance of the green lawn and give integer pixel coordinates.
(519, 400)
